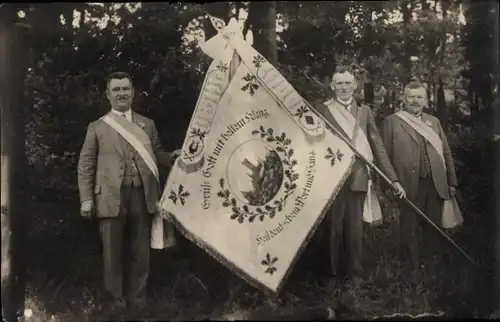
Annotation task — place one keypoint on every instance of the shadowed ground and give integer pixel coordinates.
(65, 273)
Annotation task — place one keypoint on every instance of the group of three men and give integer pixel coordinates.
(118, 182)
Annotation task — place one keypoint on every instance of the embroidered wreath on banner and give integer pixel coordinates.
(244, 212)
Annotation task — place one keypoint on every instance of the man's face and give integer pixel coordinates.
(120, 93)
(415, 100)
(344, 85)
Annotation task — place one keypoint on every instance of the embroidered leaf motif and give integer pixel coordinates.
(269, 262)
(301, 111)
(251, 84)
(258, 60)
(201, 134)
(333, 156)
(180, 195)
(339, 155)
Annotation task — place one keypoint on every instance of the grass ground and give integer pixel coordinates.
(65, 269)
(64, 277)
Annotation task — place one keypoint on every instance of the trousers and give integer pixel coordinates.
(418, 236)
(346, 232)
(125, 241)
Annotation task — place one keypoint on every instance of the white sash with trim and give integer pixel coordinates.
(162, 232)
(451, 215)
(372, 213)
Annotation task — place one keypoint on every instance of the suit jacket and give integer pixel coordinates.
(358, 179)
(101, 166)
(404, 146)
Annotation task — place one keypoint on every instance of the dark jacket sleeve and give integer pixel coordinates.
(164, 159)
(387, 136)
(448, 159)
(378, 148)
(87, 165)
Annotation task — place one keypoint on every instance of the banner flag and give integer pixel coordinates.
(258, 169)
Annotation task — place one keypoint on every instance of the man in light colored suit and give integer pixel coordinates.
(357, 124)
(118, 181)
(419, 151)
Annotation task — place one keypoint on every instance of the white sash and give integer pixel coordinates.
(372, 213)
(424, 130)
(132, 134)
(451, 215)
(140, 141)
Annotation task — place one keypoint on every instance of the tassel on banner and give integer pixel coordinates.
(162, 233)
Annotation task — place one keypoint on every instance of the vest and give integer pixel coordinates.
(425, 166)
(131, 175)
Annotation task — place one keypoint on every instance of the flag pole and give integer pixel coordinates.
(218, 24)
(386, 179)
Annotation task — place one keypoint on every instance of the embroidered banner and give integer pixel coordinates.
(271, 171)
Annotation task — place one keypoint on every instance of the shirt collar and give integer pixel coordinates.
(345, 103)
(128, 113)
(418, 116)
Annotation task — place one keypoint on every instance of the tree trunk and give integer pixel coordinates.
(496, 41)
(496, 63)
(12, 156)
(406, 10)
(368, 92)
(429, 89)
(262, 18)
(442, 108)
(394, 104)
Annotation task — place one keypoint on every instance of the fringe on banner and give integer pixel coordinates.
(236, 269)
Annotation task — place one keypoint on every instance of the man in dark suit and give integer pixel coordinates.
(355, 122)
(118, 180)
(419, 151)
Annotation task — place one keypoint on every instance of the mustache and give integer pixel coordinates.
(120, 97)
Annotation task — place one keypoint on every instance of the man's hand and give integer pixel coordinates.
(453, 191)
(87, 209)
(175, 154)
(168, 216)
(398, 190)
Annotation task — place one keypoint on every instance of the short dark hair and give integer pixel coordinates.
(118, 75)
(413, 85)
(345, 69)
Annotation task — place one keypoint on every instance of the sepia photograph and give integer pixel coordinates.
(259, 160)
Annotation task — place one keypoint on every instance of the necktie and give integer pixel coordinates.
(346, 105)
(123, 114)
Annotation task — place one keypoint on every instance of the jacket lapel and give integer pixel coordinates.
(429, 122)
(323, 110)
(414, 135)
(354, 109)
(138, 120)
(116, 139)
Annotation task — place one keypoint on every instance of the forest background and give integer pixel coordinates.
(64, 51)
